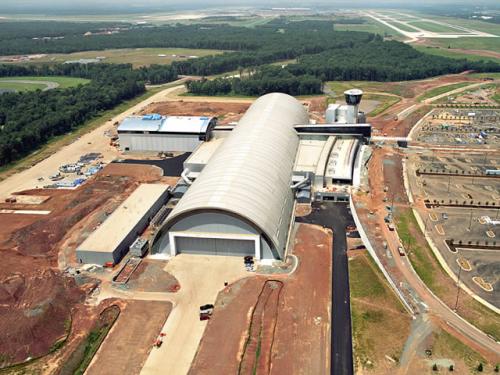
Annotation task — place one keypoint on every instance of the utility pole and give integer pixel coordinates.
(470, 220)
(458, 283)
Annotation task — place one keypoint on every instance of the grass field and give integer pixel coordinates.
(485, 75)
(486, 27)
(403, 26)
(20, 86)
(487, 44)
(433, 27)
(447, 346)
(62, 82)
(386, 101)
(438, 51)
(380, 323)
(395, 88)
(136, 56)
(371, 26)
(441, 90)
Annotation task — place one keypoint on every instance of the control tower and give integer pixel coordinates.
(352, 99)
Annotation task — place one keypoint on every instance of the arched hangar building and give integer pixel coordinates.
(241, 203)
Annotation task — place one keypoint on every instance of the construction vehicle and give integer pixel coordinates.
(206, 311)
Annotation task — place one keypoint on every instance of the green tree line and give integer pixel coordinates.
(264, 80)
(30, 119)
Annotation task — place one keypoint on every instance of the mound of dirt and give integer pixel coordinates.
(35, 311)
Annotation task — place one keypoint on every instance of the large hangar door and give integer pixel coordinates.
(214, 246)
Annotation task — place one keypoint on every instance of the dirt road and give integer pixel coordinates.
(94, 141)
(459, 90)
(130, 340)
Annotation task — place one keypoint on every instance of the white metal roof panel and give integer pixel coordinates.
(185, 124)
(137, 123)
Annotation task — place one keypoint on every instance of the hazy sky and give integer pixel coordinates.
(127, 6)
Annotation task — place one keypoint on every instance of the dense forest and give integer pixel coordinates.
(264, 80)
(29, 119)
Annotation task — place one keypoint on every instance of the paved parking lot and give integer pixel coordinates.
(457, 209)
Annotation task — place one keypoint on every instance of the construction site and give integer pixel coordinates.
(460, 127)
(106, 261)
(186, 231)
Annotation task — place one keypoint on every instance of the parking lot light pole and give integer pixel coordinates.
(458, 282)
(470, 221)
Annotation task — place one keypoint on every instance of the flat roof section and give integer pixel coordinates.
(137, 123)
(166, 124)
(203, 153)
(185, 124)
(308, 155)
(118, 225)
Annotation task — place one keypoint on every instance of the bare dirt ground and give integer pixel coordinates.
(37, 302)
(300, 343)
(150, 276)
(139, 172)
(226, 112)
(480, 96)
(129, 342)
(394, 121)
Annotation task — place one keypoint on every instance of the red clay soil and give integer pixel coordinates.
(227, 112)
(301, 342)
(302, 339)
(139, 172)
(129, 342)
(150, 276)
(385, 123)
(257, 354)
(37, 302)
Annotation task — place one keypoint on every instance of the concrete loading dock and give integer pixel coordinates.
(111, 241)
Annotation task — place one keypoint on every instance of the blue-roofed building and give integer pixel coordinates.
(158, 133)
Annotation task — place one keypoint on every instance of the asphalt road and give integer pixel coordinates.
(170, 166)
(336, 216)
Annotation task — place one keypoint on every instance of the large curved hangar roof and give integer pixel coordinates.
(250, 174)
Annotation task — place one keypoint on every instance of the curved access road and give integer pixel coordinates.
(49, 85)
(401, 271)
